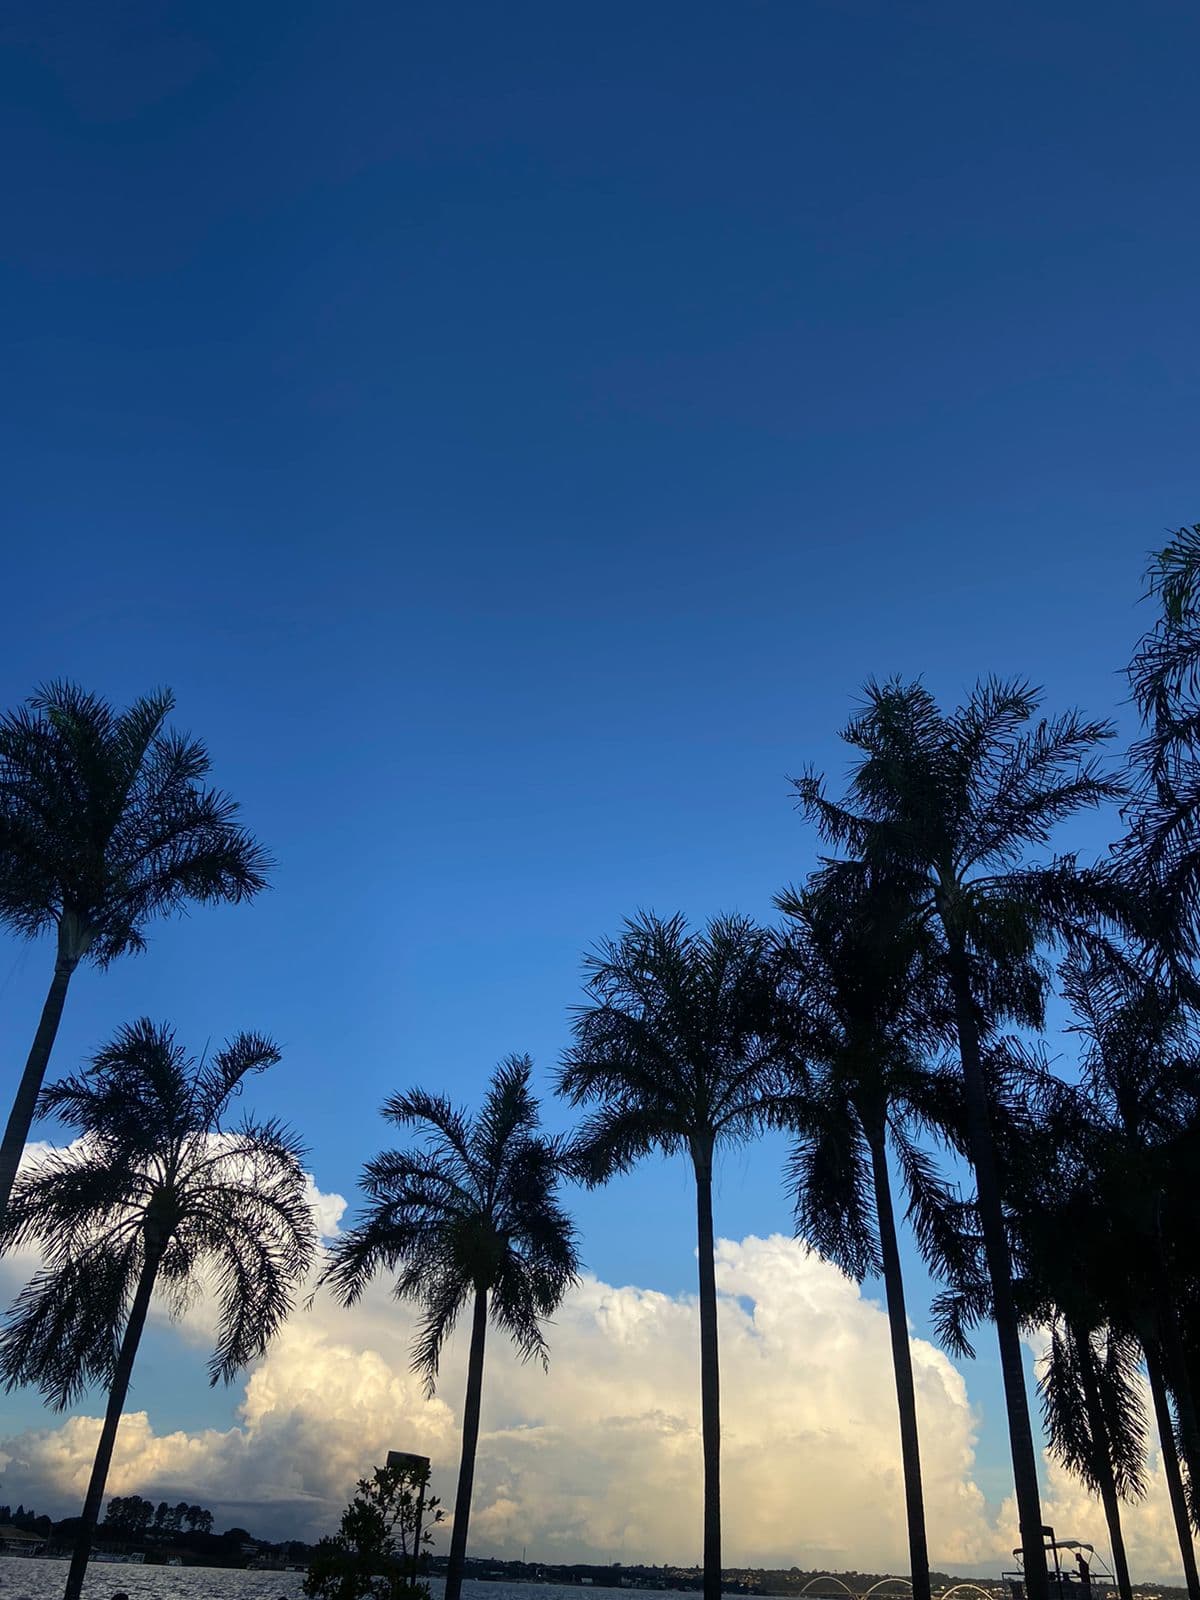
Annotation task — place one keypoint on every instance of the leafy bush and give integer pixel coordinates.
(374, 1554)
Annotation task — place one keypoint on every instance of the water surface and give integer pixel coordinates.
(27, 1578)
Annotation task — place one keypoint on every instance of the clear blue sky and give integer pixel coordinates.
(515, 431)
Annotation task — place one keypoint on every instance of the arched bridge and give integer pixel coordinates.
(828, 1577)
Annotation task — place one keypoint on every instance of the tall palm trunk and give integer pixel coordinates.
(1102, 1465)
(710, 1374)
(906, 1397)
(470, 1440)
(1170, 1461)
(20, 1118)
(999, 1264)
(130, 1340)
(1178, 1378)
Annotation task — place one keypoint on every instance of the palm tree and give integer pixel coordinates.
(676, 1054)
(1075, 1261)
(154, 1193)
(1180, 1207)
(1141, 1070)
(861, 1019)
(469, 1216)
(104, 824)
(1164, 842)
(1069, 1245)
(946, 806)
(1169, 1454)
(1095, 1421)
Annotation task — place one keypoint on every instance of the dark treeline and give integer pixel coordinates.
(131, 1514)
(133, 1522)
(892, 1022)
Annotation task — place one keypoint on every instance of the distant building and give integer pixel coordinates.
(19, 1541)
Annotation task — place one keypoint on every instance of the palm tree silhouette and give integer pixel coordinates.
(1067, 1250)
(1163, 847)
(861, 1019)
(155, 1191)
(104, 825)
(676, 1054)
(946, 806)
(1141, 1071)
(470, 1215)
(1095, 1421)
(1076, 1274)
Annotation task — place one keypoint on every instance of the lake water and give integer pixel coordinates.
(26, 1578)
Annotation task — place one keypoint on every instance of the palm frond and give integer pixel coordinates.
(1162, 849)
(61, 1332)
(1094, 1418)
(508, 1115)
(615, 1137)
(443, 1297)
(829, 1176)
(945, 1226)
(444, 1126)
(955, 1313)
(221, 1078)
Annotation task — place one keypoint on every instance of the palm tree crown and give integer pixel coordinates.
(679, 1046)
(950, 804)
(105, 823)
(155, 1176)
(474, 1205)
(1109, 1438)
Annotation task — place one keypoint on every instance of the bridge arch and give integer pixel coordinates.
(974, 1588)
(883, 1582)
(828, 1577)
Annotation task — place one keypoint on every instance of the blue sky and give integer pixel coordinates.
(515, 432)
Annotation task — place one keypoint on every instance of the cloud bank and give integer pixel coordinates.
(600, 1458)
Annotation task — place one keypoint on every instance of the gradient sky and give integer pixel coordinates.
(514, 432)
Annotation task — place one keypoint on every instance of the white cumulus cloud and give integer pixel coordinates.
(600, 1457)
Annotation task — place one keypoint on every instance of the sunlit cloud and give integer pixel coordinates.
(600, 1457)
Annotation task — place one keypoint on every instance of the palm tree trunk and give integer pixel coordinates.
(130, 1340)
(1175, 1368)
(906, 1397)
(710, 1375)
(20, 1118)
(999, 1263)
(1103, 1462)
(1170, 1461)
(470, 1439)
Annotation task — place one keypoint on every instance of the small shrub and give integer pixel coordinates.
(373, 1556)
